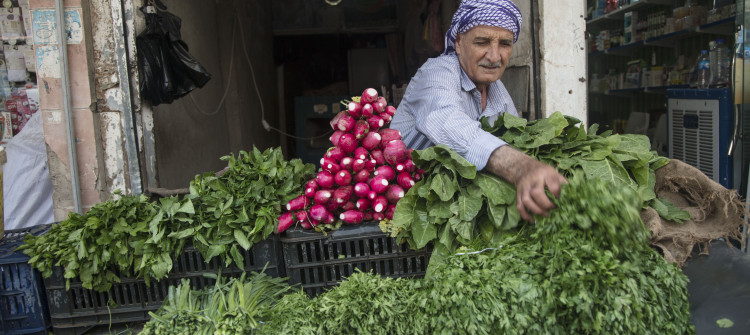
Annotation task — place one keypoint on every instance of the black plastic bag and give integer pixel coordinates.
(167, 69)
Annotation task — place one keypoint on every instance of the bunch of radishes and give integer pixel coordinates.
(362, 176)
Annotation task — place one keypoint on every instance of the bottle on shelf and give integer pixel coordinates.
(702, 71)
(719, 63)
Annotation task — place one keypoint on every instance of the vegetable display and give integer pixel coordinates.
(585, 269)
(455, 206)
(362, 177)
(134, 236)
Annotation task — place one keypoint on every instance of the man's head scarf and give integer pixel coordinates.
(493, 13)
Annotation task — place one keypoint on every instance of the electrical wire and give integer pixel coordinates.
(229, 79)
(263, 121)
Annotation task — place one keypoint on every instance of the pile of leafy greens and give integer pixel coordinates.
(455, 206)
(585, 269)
(232, 306)
(135, 236)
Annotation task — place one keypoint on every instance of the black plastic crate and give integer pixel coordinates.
(23, 305)
(78, 310)
(318, 262)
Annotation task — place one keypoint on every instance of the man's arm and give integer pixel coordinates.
(530, 176)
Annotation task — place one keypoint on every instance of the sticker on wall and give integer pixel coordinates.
(15, 63)
(11, 25)
(44, 24)
(48, 65)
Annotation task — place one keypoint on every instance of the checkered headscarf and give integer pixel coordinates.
(472, 13)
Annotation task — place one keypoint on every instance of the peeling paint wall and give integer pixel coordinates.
(563, 57)
(51, 103)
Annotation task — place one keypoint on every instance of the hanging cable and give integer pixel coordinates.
(263, 121)
(229, 78)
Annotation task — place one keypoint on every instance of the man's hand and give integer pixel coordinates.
(531, 178)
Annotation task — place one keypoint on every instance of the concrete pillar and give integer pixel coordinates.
(562, 57)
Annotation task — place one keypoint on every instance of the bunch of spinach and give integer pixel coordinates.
(454, 205)
(97, 247)
(241, 206)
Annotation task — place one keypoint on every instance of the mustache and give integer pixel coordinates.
(491, 64)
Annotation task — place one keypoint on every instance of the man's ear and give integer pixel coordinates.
(458, 41)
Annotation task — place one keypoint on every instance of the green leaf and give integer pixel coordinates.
(241, 238)
(724, 323)
(669, 211)
(608, 170)
(496, 190)
(187, 207)
(443, 186)
(423, 231)
(469, 202)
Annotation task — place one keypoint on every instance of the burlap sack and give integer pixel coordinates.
(715, 212)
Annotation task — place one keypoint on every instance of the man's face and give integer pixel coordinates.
(484, 52)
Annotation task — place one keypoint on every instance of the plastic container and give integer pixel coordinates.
(78, 310)
(23, 304)
(702, 72)
(720, 64)
(318, 262)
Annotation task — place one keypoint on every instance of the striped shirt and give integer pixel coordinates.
(442, 105)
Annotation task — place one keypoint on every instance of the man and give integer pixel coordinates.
(449, 94)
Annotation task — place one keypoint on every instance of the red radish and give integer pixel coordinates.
(417, 176)
(362, 204)
(395, 152)
(361, 128)
(371, 140)
(348, 142)
(335, 137)
(390, 211)
(286, 220)
(378, 216)
(329, 218)
(318, 212)
(388, 134)
(369, 96)
(368, 215)
(394, 193)
(307, 224)
(379, 184)
(385, 171)
(372, 195)
(380, 204)
(379, 106)
(405, 180)
(298, 203)
(301, 216)
(352, 216)
(310, 192)
(377, 155)
(325, 179)
(375, 122)
(361, 176)
(322, 196)
(358, 165)
(355, 109)
(343, 178)
(370, 165)
(367, 111)
(390, 110)
(361, 189)
(342, 194)
(361, 153)
(400, 167)
(329, 165)
(386, 118)
(335, 153)
(312, 183)
(346, 123)
(346, 163)
(409, 164)
(332, 206)
(349, 205)
(382, 102)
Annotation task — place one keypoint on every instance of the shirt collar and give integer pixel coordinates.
(493, 99)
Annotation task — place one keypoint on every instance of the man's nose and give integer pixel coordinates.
(494, 55)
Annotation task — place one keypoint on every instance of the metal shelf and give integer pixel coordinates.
(618, 14)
